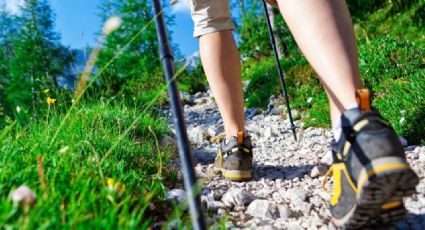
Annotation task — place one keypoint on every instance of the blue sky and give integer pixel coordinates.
(78, 23)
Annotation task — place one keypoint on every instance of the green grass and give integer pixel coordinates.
(104, 140)
(393, 69)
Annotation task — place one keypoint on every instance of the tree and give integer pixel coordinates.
(38, 55)
(138, 69)
(8, 29)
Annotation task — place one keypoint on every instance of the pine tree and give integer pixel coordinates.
(138, 68)
(38, 55)
(8, 29)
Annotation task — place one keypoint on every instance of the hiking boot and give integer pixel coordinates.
(370, 171)
(234, 159)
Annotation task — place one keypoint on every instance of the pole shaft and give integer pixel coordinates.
(190, 182)
(279, 69)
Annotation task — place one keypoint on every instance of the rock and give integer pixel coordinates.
(187, 98)
(265, 227)
(293, 226)
(296, 195)
(274, 112)
(295, 113)
(176, 195)
(212, 131)
(221, 211)
(324, 195)
(168, 141)
(327, 158)
(197, 134)
(284, 212)
(317, 171)
(237, 197)
(215, 205)
(250, 113)
(403, 141)
(199, 95)
(202, 100)
(262, 209)
(268, 132)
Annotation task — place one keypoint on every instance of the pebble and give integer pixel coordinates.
(176, 195)
(317, 171)
(262, 209)
(237, 197)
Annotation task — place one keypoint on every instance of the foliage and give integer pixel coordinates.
(394, 70)
(253, 32)
(400, 21)
(137, 70)
(38, 57)
(193, 80)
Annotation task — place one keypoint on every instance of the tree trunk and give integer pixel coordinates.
(277, 38)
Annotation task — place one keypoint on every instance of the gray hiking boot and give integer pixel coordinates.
(234, 159)
(371, 174)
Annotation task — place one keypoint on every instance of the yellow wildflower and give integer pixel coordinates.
(51, 100)
(46, 91)
(110, 182)
(115, 186)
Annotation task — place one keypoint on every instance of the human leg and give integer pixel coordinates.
(221, 62)
(324, 32)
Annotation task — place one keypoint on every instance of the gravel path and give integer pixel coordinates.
(286, 191)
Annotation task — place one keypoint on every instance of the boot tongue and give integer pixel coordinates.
(240, 137)
(363, 99)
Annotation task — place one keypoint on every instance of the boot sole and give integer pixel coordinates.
(236, 175)
(383, 185)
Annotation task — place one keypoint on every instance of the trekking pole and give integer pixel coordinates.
(279, 69)
(183, 146)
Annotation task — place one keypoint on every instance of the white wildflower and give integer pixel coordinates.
(112, 24)
(309, 100)
(23, 194)
(64, 149)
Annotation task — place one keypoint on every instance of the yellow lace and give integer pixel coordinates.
(326, 178)
(218, 137)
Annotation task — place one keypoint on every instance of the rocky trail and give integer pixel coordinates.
(286, 191)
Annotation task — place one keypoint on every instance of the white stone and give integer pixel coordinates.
(176, 195)
(237, 197)
(317, 171)
(262, 209)
(268, 132)
(327, 158)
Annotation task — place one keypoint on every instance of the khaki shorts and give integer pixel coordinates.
(211, 16)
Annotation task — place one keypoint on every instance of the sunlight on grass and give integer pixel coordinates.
(102, 163)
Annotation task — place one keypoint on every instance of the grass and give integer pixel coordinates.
(391, 68)
(104, 169)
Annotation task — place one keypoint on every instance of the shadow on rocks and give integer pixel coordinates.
(273, 172)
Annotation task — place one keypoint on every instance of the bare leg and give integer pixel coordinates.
(221, 61)
(324, 32)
